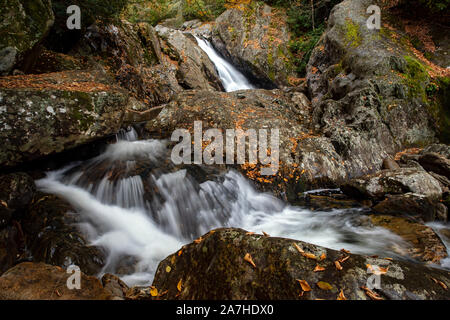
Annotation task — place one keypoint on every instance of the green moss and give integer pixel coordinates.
(352, 34)
(415, 78)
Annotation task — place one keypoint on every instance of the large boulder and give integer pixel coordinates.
(256, 38)
(194, 69)
(24, 25)
(45, 114)
(368, 91)
(234, 264)
(39, 281)
(376, 186)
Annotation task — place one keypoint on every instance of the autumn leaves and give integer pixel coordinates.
(321, 284)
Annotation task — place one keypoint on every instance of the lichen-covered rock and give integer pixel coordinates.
(376, 186)
(54, 236)
(46, 114)
(233, 264)
(24, 24)
(255, 38)
(194, 69)
(368, 90)
(39, 281)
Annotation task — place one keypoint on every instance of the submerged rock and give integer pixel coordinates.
(425, 244)
(39, 281)
(24, 24)
(234, 264)
(46, 114)
(53, 236)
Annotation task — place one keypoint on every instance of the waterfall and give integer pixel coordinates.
(140, 208)
(232, 79)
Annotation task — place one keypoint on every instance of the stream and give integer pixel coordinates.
(140, 208)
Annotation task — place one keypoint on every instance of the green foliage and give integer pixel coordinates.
(416, 77)
(151, 12)
(303, 46)
(352, 34)
(204, 10)
(435, 5)
(305, 30)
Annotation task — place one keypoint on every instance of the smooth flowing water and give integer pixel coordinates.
(232, 79)
(140, 209)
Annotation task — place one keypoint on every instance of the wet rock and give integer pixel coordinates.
(116, 287)
(215, 268)
(16, 192)
(46, 114)
(435, 163)
(255, 38)
(194, 69)
(24, 24)
(54, 236)
(376, 186)
(11, 246)
(416, 205)
(425, 244)
(39, 281)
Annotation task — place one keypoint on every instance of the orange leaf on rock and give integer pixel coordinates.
(305, 286)
(318, 268)
(338, 265)
(298, 248)
(309, 255)
(344, 259)
(179, 285)
(323, 256)
(265, 234)
(372, 295)
(341, 296)
(249, 259)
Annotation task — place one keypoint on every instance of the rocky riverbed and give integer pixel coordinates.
(86, 178)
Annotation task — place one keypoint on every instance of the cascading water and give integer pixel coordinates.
(140, 208)
(232, 79)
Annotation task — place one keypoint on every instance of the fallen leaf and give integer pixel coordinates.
(344, 259)
(298, 248)
(163, 293)
(265, 234)
(58, 293)
(305, 286)
(318, 268)
(179, 285)
(3, 203)
(249, 259)
(309, 255)
(345, 251)
(323, 256)
(372, 295)
(180, 252)
(153, 291)
(168, 269)
(390, 259)
(324, 285)
(338, 265)
(341, 296)
(198, 240)
(301, 293)
(443, 285)
(250, 233)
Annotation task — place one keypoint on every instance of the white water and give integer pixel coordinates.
(232, 79)
(140, 209)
